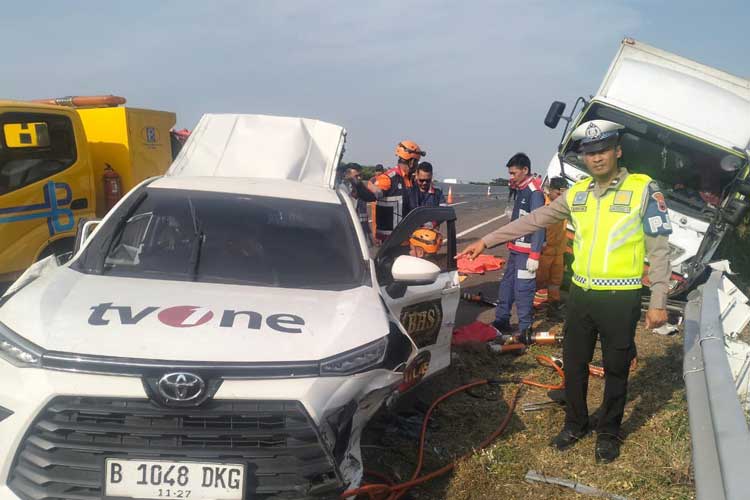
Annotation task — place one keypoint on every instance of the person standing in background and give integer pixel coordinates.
(424, 193)
(519, 280)
(551, 264)
(391, 187)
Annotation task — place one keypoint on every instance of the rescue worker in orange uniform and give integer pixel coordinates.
(551, 264)
(391, 187)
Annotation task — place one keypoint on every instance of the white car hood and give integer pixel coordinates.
(68, 311)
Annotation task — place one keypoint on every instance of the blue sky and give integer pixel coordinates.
(469, 81)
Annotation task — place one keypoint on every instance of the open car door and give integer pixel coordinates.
(427, 312)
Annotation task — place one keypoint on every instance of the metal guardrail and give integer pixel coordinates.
(719, 431)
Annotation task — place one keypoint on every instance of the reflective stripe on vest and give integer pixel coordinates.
(390, 208)
(388, 212)
(609, 245)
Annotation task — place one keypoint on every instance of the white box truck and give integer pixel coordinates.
(687, 126)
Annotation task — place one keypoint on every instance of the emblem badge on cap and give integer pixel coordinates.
(592, 131)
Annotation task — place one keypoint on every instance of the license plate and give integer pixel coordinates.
(157, 479)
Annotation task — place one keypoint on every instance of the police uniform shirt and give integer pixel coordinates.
(656, 227)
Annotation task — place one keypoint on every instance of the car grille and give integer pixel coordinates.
(62, 454)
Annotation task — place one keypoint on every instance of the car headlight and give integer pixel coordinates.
(357, 360)
(18, 351)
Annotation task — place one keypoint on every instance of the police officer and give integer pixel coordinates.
(619, 219)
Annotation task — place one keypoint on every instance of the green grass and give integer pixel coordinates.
(655, 461)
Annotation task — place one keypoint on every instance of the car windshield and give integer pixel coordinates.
(237, 239)
(692, 174)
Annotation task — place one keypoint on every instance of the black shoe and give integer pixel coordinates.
(555, 311)
(567, 439)
(607, 448)
(502, 326)
(559, 396)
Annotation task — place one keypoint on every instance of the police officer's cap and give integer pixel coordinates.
(597, 135)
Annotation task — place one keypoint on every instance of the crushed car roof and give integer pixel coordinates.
(259, 146)
(274, 188)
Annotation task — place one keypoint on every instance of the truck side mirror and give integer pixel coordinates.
(84, 231)
(553, 115)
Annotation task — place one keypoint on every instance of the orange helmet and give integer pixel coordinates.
(409, 150)
(427, 239)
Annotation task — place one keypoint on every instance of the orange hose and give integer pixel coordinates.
(511, 347)
(396, 491)
(547, 361)
(598, 371)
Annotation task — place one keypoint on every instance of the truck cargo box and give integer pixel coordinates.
(683, 94)
(135, 142)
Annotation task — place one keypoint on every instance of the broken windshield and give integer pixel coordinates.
(692, 174)
(234, 239)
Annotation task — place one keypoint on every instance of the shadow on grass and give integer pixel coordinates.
(456, 428)
(653, 384)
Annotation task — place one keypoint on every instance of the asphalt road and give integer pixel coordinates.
(478, 215)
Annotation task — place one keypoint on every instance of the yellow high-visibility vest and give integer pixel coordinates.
(609, 245)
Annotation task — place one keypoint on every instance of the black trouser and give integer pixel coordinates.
(613, 316)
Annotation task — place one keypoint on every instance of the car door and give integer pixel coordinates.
(427, 312)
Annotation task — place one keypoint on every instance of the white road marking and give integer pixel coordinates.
(464, 233)
(459, 203)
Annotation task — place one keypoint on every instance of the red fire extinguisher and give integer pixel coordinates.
(112, 186)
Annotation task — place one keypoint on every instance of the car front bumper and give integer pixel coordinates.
(299, 437)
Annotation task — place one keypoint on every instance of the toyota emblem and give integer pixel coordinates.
(181, 387)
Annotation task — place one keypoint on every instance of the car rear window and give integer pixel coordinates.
(235, 239)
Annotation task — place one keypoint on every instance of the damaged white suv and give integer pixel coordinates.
(222, 334)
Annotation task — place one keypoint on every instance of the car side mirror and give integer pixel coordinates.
(408, 270)
(554, 114)
(84, 231)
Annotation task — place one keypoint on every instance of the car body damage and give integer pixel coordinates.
(687, 127)
(225, 321)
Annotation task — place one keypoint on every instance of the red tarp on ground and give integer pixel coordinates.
(474, 332)
(480, 265)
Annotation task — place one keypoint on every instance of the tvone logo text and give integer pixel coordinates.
(192, 316)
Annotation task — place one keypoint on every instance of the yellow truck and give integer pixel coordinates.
(55, 161)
